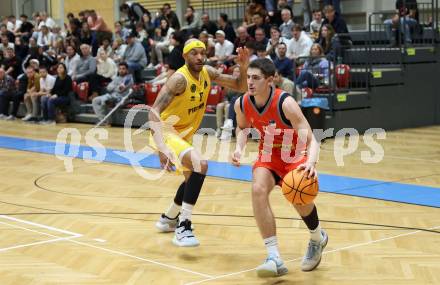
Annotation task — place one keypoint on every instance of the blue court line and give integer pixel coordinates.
(374, 189)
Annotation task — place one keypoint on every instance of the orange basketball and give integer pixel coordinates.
(298, 189)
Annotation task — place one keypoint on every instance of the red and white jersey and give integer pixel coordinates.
(275, 129)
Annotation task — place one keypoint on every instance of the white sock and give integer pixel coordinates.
(316, 234)
(173, 210)
(271, 244)
(185, 213)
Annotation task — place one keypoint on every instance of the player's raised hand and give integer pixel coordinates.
(310, 168)
(236, 156)
(242, 57)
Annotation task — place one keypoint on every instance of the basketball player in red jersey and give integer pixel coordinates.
(287, 143)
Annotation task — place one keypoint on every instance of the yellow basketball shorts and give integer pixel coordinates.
(176, 144)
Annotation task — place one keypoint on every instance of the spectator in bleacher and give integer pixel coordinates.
(142, 36)
(315, 71)
(251, 46)
(16, 23)
(330, 43)
(16, 98)
(106, 47)
(106, 69)
(26, 28)
(119, 48)
(7, 90)
(406, 17)
(4, 31)
(226, 26)
(334, 19)
(336, 4)
(58, 33)
(286, 26)
(274, 12)
(252, 8)
(85, 69)
(97, 24)
(31, 97)
(223, 49)
(242, 39)
(260, 37)
(274, 41)
(117, 89)
(45, 20)
(192, 20)
(134, 12)
(171, 17)
(284, 84)
(71, 60)
(45, 37)
(11, 64)
(58, 96)
(82, 17)
(176, 60)
(299, 45)
(260, 49)
(315, 25)
(74, 29)
(134, 55)
(258, 22)
(208, 25)
(5, 43)
(284, 64)
(121, 32)
(87, 36)
(47, 81)
(148, 24)
(21, 49)
(162, 46)
(209, 43)
(222, 108)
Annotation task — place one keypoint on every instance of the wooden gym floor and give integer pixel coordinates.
(95, 225)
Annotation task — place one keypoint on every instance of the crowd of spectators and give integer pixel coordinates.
(39, 60)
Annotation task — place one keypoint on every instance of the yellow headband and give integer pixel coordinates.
(192, 45)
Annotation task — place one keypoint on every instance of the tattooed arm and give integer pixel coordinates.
(174, 86)
(229, 81)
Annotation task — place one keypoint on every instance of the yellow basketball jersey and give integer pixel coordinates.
(190, 106)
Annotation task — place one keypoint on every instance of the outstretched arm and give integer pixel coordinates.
(174, 86)
(306, 138)
(229, 81)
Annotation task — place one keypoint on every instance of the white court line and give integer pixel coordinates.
(76, 235)
(57, 238)
(39, 225)
(325, 252)
(142, 259)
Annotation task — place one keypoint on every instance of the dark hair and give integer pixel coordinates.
(224, 17)
(250, 44)
(167, 4)
(260, 47)
(70, 14)
(282, 43)
(297, 27)
(180, 37)
(23, 16)
(65, 68)
(316, 11)
(266, 66)
(191, 7)
(42, 67)
(123, 64)
(124, 7)
(275, 27)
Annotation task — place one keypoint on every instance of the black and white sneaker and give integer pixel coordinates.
(184, 235)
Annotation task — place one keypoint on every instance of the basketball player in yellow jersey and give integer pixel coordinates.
(183, 101)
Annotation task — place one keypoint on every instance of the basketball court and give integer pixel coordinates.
(95, 225)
